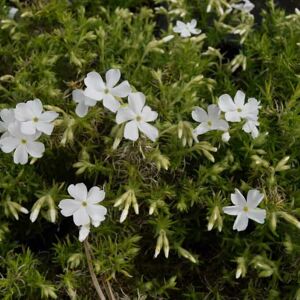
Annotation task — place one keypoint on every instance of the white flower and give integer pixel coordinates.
(210, 120)
(237, 110)
(138, 116)
(33, 119)
(245, 6)
(251, 127)
(245, 210)
(98, 90)
(84, 207)
(12, 12)
(8, 118)
(22, 144)
(187, 29)
(83, 102)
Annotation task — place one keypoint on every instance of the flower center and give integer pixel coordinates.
(239, 110)
(84, 203)
(35, 119)
(23, 141)
(209, 123)
(245, 209)
(139, 118)
(106, 91)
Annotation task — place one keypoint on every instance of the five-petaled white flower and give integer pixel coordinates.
(98, 90)
(186, 30)
(236, 110)
(210, 120)
(83, 102)
(84, 207)
(32, 118)
(138, 116)
(245, 6)
(23, 144)
(245, 210)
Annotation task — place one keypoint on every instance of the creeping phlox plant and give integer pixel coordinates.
(147, 128)
(21, 127)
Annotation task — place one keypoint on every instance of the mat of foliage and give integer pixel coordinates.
(47, 50)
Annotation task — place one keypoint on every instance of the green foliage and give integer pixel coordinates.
(175, 188)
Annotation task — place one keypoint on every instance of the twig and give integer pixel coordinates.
(87, 250)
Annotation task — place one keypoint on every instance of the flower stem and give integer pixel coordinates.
(87, 250)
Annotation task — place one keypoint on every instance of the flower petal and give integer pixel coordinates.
(180, 25)
(220, 125)
(21, 155)
(112, 76)
(84, 232)
(237, 198)
(232, 116)
(93, 94)
(35, 106)
(96, 212)
(226, 103)
(78, 96)
(95, 195)
(48, 116)
(28, 127)
(195, 31)
(199, 115)
(7, 115)
(94, 81)
(22, 113)
(193, 23)
(185, 33)
(136, 102)
(124, 114)
(239, 98)
(231, 210)
(202, 128)
(213, 112)
(131, 131)
(111, 103)
(81, 109)
(122, 90)
(241, 222)
(150, 131)
(35, 149)
(9, 143)
(254, 197)
(45, 127)
(258, 215)
(78, 191)
(148, 115)
(69, 206)
(81, 217)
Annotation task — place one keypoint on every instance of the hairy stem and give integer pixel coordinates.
(87, 250)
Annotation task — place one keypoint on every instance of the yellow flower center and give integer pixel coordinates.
(239, 110)
(84, 203)
(209, 123)
(106, 91)
(245, 209)
(23, 141)
(139, 118)
(35, 119)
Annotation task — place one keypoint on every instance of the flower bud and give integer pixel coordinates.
(186, 254)
(159, 244)
(166, 244)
